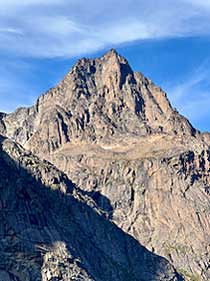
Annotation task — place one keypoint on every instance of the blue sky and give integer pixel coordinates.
(167, 40)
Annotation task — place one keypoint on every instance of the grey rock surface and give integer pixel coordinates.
(98, 101)
(50, 231)
(116, 136)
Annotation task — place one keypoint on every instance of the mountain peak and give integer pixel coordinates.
(116, 136)
(114, 55)
(111, 62)
(100, 100)
(113, 52)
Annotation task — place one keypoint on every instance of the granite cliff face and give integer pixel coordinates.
(50, 230)
(141, 164)
(99, 101)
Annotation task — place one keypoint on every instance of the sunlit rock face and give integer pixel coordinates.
(99, 101)
(141, 164)
(50, 230)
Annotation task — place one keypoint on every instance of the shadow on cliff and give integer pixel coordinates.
(35, 217)
(101, 201)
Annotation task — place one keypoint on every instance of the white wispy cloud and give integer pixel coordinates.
(14, 91)
(192, 96)
(54, 28)
(199, 3)
(18, 3)
(61, 28)
(10, 30)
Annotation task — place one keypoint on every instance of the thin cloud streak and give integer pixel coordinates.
(11, 85)
(38, 29)
(192, 96)
(72, 29)
(10, 30)
(199, 3)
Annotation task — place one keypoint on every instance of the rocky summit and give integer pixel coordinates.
(102, 179)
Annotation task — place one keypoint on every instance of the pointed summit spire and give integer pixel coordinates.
(113, 52)
(114, 55)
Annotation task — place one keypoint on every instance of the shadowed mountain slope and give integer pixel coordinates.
(116, 136)
(50, 231)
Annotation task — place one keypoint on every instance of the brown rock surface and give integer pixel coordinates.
(50, 231)
(115, 134)
(98, 101)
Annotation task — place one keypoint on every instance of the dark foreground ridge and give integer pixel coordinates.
(49, 232)
(141, 174)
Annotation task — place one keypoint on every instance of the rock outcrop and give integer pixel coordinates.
(98, 101)
(116, 136)
(50, 231)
